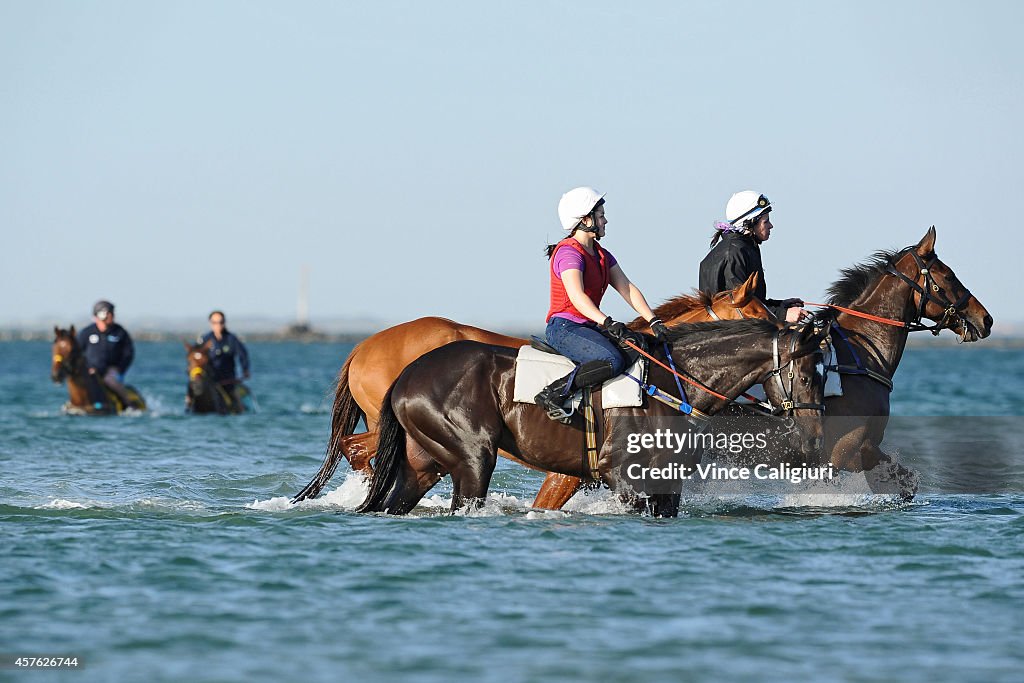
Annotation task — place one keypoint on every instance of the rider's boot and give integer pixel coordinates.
(552, 397)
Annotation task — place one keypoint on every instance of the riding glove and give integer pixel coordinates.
(659, 329)
(614, 329)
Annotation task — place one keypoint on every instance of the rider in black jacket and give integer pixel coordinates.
(108, 351)
(736, 253)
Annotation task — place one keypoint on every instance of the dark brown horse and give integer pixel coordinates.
(905, 287)
(451, 410)
(377, 361)
(204, 393)
(69, 366)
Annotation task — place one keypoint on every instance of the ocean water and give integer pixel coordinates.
(162, 547)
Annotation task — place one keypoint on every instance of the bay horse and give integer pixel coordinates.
(377, 361)
(897, 290)
(69, 366)
(452, 409)
(204, 393)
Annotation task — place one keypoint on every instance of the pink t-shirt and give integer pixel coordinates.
(567, 258)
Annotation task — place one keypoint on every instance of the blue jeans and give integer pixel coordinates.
(582, 342)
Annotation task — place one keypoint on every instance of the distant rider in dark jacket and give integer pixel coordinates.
(736, 253)
(108, 351)
(225, 350)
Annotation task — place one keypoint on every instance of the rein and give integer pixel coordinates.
(683, 406)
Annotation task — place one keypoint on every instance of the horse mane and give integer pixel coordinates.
(684, 303)
(719, 328)
(858, 277)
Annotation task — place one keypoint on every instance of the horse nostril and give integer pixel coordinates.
(988, 322)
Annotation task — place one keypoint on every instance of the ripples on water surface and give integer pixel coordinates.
(162, 547)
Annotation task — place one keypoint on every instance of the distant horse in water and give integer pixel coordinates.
(377, 361)
(204, 393)
(69, 366)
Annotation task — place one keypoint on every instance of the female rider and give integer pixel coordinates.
(580, 272)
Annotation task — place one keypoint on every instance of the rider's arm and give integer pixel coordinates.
(630, 292)
(572, 280)
(127, 354)
(243, 356)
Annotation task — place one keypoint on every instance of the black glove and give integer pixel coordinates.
(790, 303)
(614, 329)
(659, 329)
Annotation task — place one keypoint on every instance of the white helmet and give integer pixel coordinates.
(576, 204)
(745, 205)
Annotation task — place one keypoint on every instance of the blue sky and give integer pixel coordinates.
(179, 157)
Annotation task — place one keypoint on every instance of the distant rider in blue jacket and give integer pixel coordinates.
(225, 350)
(108, 351)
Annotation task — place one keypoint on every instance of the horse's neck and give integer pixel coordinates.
(880, 345)
(78, 390)
(715, 370)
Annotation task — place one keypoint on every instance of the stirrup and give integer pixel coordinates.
(560, 415)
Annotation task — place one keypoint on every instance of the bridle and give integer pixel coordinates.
(710, 308)
(931, 291)
(788, 404)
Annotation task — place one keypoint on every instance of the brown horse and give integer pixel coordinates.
(904, 287)
(452, 409)
(69, 365)
(204, 393)
(377, 361)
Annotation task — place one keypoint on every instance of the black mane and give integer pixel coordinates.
(684, 331)
(858, 277)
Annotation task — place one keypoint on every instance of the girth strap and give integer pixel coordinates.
(590, 441)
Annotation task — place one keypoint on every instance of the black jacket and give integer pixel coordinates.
(730, 263)
(105, 349)
(223, 354)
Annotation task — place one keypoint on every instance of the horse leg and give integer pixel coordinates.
(420, 473)
(471, 480)
(556, 491)
(358, 449)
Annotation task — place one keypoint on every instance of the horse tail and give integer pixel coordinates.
(345, 418)
(391, 456)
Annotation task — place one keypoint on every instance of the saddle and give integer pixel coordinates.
(538, 364)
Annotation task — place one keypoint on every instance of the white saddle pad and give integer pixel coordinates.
(537, 369)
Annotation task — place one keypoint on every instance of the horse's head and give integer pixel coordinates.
(65, 354)
(198, 356)
(740, 302)
(795, 386)
(938, 294)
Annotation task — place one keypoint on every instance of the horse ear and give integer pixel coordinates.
(56, 331)
(72, 331)
(188, 347)
(207, 345)
(927, 243)
(742, 294)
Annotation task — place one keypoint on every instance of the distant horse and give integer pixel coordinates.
(376, 362)
(69, 365)
(897, 291)
(204, 393)
(452, 409)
